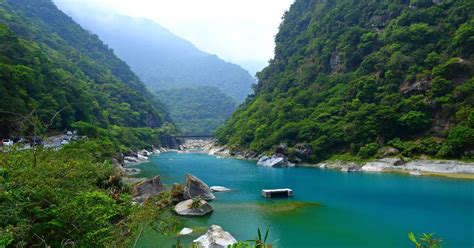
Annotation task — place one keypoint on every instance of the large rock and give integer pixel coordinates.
(146, 189)
(186, 208)
(276, 160)
(197, 188)
(215, 237)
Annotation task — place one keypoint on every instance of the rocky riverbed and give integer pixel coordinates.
(416, 167)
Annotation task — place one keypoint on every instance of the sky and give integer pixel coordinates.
(238, 31)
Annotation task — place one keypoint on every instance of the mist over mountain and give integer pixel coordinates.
(160, 58)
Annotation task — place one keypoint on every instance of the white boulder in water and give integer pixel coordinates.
(215, 237)
(276, 160)
(219, 189)
(185, 231)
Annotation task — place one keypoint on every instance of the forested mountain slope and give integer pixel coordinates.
(197, 111)
(49, 63)
(354, 76)
(160, 58)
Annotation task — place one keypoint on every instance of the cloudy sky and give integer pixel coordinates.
(239, 31)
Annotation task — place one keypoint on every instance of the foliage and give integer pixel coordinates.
(425, 240)
(196, 202)
(49, 63)
(73, 197)
(197, 110)
(258, 242)
(67, 198)
(349, 76)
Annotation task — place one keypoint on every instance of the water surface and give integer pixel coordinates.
(330, 208)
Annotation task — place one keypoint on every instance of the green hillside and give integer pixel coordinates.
(354, 76)
(48, 63)
(197, 111)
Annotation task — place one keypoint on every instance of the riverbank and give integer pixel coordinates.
(415, 167)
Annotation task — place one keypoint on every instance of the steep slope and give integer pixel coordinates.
(353, 76)
(49, 63)
(197, 111)
(160, 58)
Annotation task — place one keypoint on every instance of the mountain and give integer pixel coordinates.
(48, 63)
(160, 58)
(351, 77)
(197, 111)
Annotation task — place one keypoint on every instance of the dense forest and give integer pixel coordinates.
(159, 57)
(49, 65)
(197, 111)
(350, 77)
(55, 76)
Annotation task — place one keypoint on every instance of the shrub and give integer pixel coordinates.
(369, 150)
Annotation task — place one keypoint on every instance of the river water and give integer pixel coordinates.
(329, 208)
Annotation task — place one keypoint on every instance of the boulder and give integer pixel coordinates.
(146, 189)
(185, 231)
(186, 208)
(219, 189)
(276, 160)
(215, 237)
(197, 188)
(142, 158)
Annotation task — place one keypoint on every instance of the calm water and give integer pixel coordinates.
(329, 209)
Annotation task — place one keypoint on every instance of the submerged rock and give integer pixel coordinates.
(197, 188)
(186, 208)
(219, 189)
(215, 237)
(276, 160)
(146, 189)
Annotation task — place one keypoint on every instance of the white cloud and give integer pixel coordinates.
(236, 30)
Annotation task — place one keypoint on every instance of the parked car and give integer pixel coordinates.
(7, 142)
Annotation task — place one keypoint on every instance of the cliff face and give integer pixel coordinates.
(354, 76)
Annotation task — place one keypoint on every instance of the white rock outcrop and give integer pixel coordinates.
(215, 237)
(276, 160)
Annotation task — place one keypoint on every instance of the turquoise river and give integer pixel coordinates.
(329, 209)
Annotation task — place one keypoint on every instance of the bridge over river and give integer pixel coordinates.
(194, 136)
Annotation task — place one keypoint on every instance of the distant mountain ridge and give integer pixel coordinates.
(160, 58)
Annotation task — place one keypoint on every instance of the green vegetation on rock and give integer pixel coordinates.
(354, 76)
